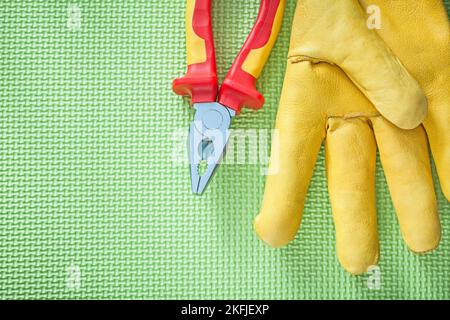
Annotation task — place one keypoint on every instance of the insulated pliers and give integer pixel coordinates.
(209, 131)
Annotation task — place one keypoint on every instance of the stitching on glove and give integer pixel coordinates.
(301, 58)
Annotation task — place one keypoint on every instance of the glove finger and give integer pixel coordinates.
(406, 163)
(350, 162)
(336, 32)
(293, 156)
(437, 126)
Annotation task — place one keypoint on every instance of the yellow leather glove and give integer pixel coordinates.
(321, 101)
(336, 32)
(418, 32)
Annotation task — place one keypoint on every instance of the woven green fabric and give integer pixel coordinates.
(92, 204)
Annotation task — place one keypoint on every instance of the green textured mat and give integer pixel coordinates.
(92, 205)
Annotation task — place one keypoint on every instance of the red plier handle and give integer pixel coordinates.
(238, 88)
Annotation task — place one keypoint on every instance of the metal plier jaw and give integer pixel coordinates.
(208, 137)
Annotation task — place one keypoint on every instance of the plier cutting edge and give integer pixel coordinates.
(209, 131)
